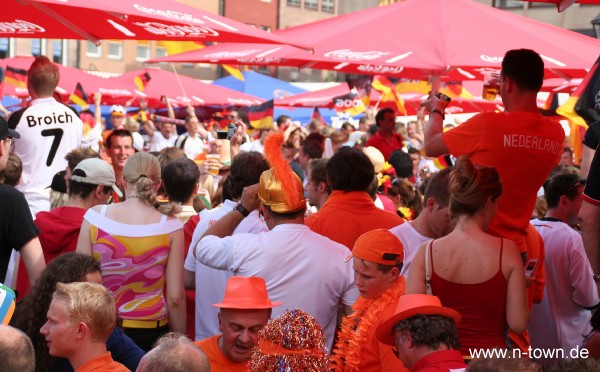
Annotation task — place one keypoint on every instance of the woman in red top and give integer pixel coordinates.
(478, 274)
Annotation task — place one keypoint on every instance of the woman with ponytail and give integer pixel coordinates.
(139, 248)
(475, 273)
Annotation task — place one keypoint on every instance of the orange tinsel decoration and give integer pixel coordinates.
(355, 327)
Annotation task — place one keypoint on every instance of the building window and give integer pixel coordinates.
(293, 3)
(93, 50)
(161, 52)
(115, 50)
(57, 51)
(36, 47)
(4, 47)
(328, 6)
(142, 52)
(508, 4)
(311, 4)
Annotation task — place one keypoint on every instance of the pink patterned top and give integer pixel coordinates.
(133, 260)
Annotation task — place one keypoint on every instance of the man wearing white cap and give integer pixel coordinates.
(90, 184)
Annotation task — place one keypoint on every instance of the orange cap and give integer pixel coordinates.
(246, 293)
(379, 246)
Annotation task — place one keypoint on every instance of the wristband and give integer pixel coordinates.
(439, 112)
(240, 208)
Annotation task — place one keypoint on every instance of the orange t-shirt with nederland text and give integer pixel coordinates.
(523, 147)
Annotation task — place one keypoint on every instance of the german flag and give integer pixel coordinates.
(581, 109)
(141, 81)
(388, 93)
(588, 104)
(316, 115)
(79, 97)
(261, 116)
(455, 89)
(16, 76)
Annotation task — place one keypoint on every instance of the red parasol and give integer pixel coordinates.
(564, 4)
(138, 20)
(452, 40)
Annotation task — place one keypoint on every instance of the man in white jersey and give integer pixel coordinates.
(432, 223)
(210, 283)
(192, 142)
(49, 130)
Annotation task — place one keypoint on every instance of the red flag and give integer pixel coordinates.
(141, 81)
(16, 76)
(316, 115)
(261, 116)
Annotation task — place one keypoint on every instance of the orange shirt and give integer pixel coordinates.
(375, 356)
(218, 361)
(346, 216)
(523, 147)
(101, 364)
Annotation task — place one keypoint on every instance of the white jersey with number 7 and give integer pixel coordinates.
(49, 130)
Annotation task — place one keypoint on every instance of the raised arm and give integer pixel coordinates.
(434, 142)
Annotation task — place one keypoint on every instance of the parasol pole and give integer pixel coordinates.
(179, 81)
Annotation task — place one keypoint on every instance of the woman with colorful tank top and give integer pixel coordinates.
(139, 249)
(478, 274)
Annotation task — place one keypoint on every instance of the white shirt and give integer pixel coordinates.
(192, 146)
(302, 269)
(253, 146)
(560, 320)
(49, 130)
(159, 142)
(411, 240)
(210, 283)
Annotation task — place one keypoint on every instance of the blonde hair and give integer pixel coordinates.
(143, 170)
(90, 303)
(132, 125)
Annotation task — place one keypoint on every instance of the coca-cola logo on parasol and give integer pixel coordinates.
(20, 27)
(183, 17)
(491, 59)
(157, 28)
(243, 101)
(350, 55)
(264, 60)
(228, 54)
(380, 69)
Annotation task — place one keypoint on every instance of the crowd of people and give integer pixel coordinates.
(379, 247)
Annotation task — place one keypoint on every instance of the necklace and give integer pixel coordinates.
(134, 196)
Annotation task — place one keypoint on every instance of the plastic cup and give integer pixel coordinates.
(491, 85)
(213, 167)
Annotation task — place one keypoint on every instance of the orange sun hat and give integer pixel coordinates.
(246, 293)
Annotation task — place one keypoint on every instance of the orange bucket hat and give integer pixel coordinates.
(246, 293)
(379, 246)
(412, 305)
